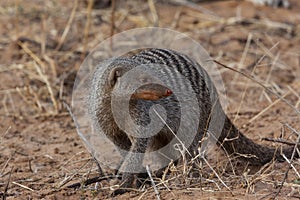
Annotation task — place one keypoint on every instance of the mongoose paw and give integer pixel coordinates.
(119, 192)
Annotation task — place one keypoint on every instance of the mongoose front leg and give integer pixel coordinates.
(133, 162)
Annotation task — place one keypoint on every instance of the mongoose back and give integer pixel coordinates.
(273, 3)
(177, 66)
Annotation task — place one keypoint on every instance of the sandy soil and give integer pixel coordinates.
(40, 151)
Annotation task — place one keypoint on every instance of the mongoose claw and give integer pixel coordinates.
(118, 192)
(127, 182)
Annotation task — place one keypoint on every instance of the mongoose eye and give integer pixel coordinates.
(144, 80)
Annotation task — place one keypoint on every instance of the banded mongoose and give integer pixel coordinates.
(177, 66)
(98, 4)
(273, 3)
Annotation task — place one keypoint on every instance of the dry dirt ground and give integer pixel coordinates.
(42, 45)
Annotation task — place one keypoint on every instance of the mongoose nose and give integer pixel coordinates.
(169, 92)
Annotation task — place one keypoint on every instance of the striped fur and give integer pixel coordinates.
(178, 66)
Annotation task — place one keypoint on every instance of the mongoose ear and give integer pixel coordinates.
(114, 75)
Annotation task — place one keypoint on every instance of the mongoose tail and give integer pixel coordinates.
(236, 143)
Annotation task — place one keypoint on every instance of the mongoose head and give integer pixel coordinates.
(148, 91)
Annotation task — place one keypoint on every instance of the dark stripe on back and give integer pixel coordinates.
(179, 62)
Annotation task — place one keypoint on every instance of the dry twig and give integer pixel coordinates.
(83, 138)
(262, 85)
(68, 26)
(152, 182)
(7, 184)
(289, 161)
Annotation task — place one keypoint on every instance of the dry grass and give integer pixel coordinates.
(43, 44)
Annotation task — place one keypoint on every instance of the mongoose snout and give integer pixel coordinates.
(152, 92)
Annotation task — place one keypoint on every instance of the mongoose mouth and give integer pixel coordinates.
(152, 92)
